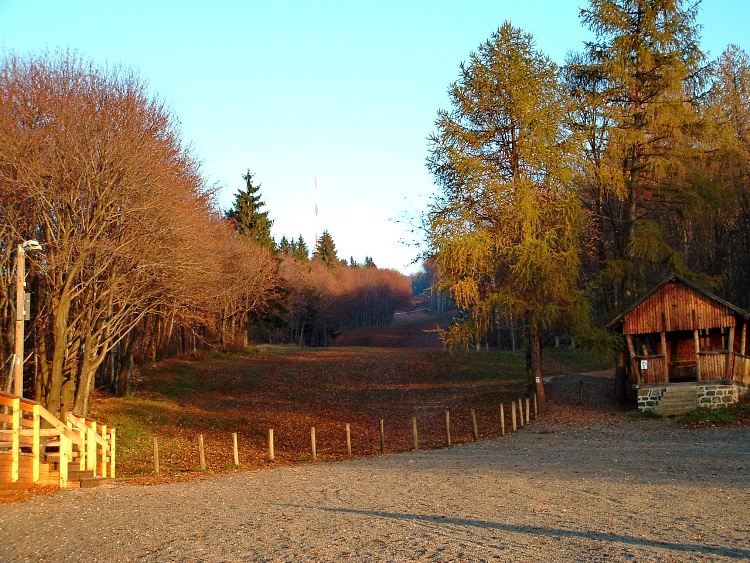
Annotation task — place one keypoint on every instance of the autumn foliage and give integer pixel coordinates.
(323, 300)
(138, 263)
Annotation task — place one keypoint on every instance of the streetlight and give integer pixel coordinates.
(26, 246)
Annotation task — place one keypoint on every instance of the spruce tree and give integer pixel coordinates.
(325, 250)
(285, 247)
(301, 252)
(247, 215)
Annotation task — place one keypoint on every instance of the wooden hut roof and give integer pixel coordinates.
(676, 304)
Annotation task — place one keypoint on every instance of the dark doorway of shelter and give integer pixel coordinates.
(682, 361)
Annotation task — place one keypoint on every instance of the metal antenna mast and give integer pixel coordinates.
(316, 213)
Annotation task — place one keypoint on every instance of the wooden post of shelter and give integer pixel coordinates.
(502, 421)
(730, 349)
(664, 349)
(697, 346)
(633, 364)
(348, 440)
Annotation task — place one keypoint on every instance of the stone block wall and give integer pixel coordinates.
(718, 395)
(710, 395)
(649, 398)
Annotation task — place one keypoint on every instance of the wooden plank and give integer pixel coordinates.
(6, 400)
(35, 448)
(112, 451)
(49, 432)
(91, 447)
(105, 454)
(23, 471)
(83, 445)
(16, 409)
(670, 309)
(65, 449)
(730, 349)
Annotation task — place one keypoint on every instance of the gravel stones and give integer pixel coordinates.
(607, 489)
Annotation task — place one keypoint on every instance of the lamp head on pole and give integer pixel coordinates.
(31, 245)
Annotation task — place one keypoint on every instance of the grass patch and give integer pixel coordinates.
(579, 360)
(736, 415)
(644, 415)
(291, 389)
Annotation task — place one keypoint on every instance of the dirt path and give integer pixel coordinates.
(597, 488)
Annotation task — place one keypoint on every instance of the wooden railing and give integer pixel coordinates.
(32, 438)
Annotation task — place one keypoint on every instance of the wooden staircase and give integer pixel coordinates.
(36, 448)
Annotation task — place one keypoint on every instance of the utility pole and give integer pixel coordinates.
(21, 313)
(20, 302)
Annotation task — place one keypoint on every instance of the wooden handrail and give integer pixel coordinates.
(80, 423)
(82, 434)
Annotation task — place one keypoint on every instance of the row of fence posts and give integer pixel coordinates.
(520, 415)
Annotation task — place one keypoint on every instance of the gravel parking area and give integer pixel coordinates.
(604, 488)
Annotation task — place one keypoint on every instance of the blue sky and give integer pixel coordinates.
(345, 92)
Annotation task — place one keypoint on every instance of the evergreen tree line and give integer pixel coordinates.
(137, 261)
(566, 193)
(323, 294)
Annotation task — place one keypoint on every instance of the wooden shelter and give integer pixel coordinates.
(680, 333)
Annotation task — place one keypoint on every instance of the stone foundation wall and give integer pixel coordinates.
(649, 398)
(710, 396)
(719, 395)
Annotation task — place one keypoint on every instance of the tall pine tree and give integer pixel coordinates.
(301, 252)
(325, 250)
(248, 216)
